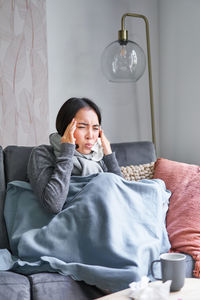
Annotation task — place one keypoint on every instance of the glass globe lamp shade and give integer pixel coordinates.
(123, 61)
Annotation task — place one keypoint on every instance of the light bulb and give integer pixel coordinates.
(123, 62)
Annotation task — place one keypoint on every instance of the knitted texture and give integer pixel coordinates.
(138, 172)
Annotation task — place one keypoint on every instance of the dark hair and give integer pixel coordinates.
(69, 109)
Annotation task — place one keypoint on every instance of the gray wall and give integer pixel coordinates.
(179, 25)
(77, 33)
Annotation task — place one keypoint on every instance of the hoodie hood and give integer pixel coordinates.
(96, 154)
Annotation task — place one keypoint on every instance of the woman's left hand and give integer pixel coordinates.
(105, 143)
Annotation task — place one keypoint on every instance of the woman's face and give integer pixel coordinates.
(87, 129)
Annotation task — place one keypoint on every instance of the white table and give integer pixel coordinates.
(190, 291)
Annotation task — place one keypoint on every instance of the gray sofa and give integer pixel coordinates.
(47, 286)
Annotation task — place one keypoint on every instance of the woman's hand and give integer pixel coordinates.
(105, 143)
(68, 136)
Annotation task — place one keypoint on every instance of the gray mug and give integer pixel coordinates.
(172, 268)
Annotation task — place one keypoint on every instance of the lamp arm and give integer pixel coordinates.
(149, 64)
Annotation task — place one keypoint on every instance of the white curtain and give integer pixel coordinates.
(23, 73)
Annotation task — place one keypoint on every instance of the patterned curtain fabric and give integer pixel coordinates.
(23, 73)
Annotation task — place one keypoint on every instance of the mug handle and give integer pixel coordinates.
(152, 271)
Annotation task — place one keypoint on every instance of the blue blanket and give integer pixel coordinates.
(107, 234)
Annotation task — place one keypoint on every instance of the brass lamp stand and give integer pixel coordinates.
(124, 61)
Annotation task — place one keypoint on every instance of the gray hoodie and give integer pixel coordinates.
(49, 173)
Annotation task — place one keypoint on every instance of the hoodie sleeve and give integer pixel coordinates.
(49, 176)
(112, 164)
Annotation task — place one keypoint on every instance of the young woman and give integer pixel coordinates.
(101, 229)
(74, 150)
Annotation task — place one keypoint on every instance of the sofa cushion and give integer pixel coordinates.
(183, 216)
(14, 286)
(51, 286)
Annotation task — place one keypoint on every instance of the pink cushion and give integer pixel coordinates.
(183, 217)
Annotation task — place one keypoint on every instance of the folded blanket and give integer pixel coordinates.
(107, 234)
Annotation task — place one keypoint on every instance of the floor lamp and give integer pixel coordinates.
(124, 61)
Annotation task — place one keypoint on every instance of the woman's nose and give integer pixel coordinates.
(89, 133)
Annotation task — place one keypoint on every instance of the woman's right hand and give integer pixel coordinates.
(68, 136)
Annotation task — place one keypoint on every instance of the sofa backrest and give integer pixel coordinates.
(14, 159)
(15, 162)
(3, 232)
(134, 153)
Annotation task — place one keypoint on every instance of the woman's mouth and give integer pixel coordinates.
(88, 145)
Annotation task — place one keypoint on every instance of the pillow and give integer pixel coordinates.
(138, 172)
(183, 217)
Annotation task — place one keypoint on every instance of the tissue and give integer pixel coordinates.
(143, 290)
